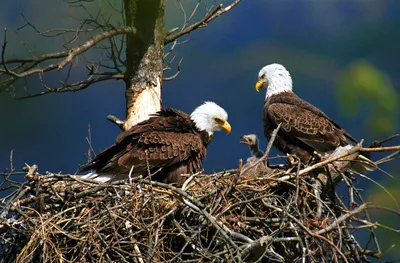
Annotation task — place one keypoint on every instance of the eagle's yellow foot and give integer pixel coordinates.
(316, 157)
(291, 160)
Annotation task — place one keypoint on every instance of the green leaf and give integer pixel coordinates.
(363, 83)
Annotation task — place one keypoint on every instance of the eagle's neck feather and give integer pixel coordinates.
(278, 83)
(203, 123)
(255, 151)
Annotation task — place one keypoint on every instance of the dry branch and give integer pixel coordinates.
(30, 66)
(219, 10)
(93, 41)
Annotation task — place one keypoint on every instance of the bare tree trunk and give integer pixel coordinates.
(144, 54)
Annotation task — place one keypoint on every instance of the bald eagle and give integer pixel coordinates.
(305, 128)
(170, 142)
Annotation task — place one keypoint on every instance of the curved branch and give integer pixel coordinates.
(206, 19)
(72, 87)
(93, 41)
(341, 219)
(23, 70)
(116, 121)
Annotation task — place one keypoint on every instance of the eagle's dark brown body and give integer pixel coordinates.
(169, 141)
(304, 128)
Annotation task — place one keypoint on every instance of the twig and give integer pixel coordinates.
(261, 244)
(206, 19)
(308, 169)
(383, 188)
(93, 41)
(388, 158)
(11, 161)
(116, 121)
(176, 73)
(272, 140)
(71, 87)
(310, 232)
(380, 149)
(341, 219)
(379, 143)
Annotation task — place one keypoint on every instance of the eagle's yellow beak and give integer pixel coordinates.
(260, 84)
(226, 127)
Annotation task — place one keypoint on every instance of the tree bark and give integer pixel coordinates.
(144, 55)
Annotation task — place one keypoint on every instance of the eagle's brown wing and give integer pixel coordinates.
(167, 140)
(309, 126)
(168, 120)
(162, 149)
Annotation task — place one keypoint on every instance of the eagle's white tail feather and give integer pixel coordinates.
(101, 178)
(366, 163)
(359, 163)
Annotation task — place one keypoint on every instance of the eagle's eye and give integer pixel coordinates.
(219, 121)
(262, 76)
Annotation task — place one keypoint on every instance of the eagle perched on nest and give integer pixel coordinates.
(305, 129)
(170, 143)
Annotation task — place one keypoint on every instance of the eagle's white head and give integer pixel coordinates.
(210, 117)
(275, 78)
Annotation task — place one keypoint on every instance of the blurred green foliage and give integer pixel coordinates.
(363, 82)
(388, 222)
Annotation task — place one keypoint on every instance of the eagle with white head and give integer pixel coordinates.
(305, 129)
(169, 144)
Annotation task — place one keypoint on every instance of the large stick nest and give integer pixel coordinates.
(283, 215)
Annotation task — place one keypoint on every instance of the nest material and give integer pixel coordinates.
(231, 216)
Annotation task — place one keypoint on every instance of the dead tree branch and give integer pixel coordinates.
(30, 66)
(93, 41)
(219, 10)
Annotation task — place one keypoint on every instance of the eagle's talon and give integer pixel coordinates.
(291, 160)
